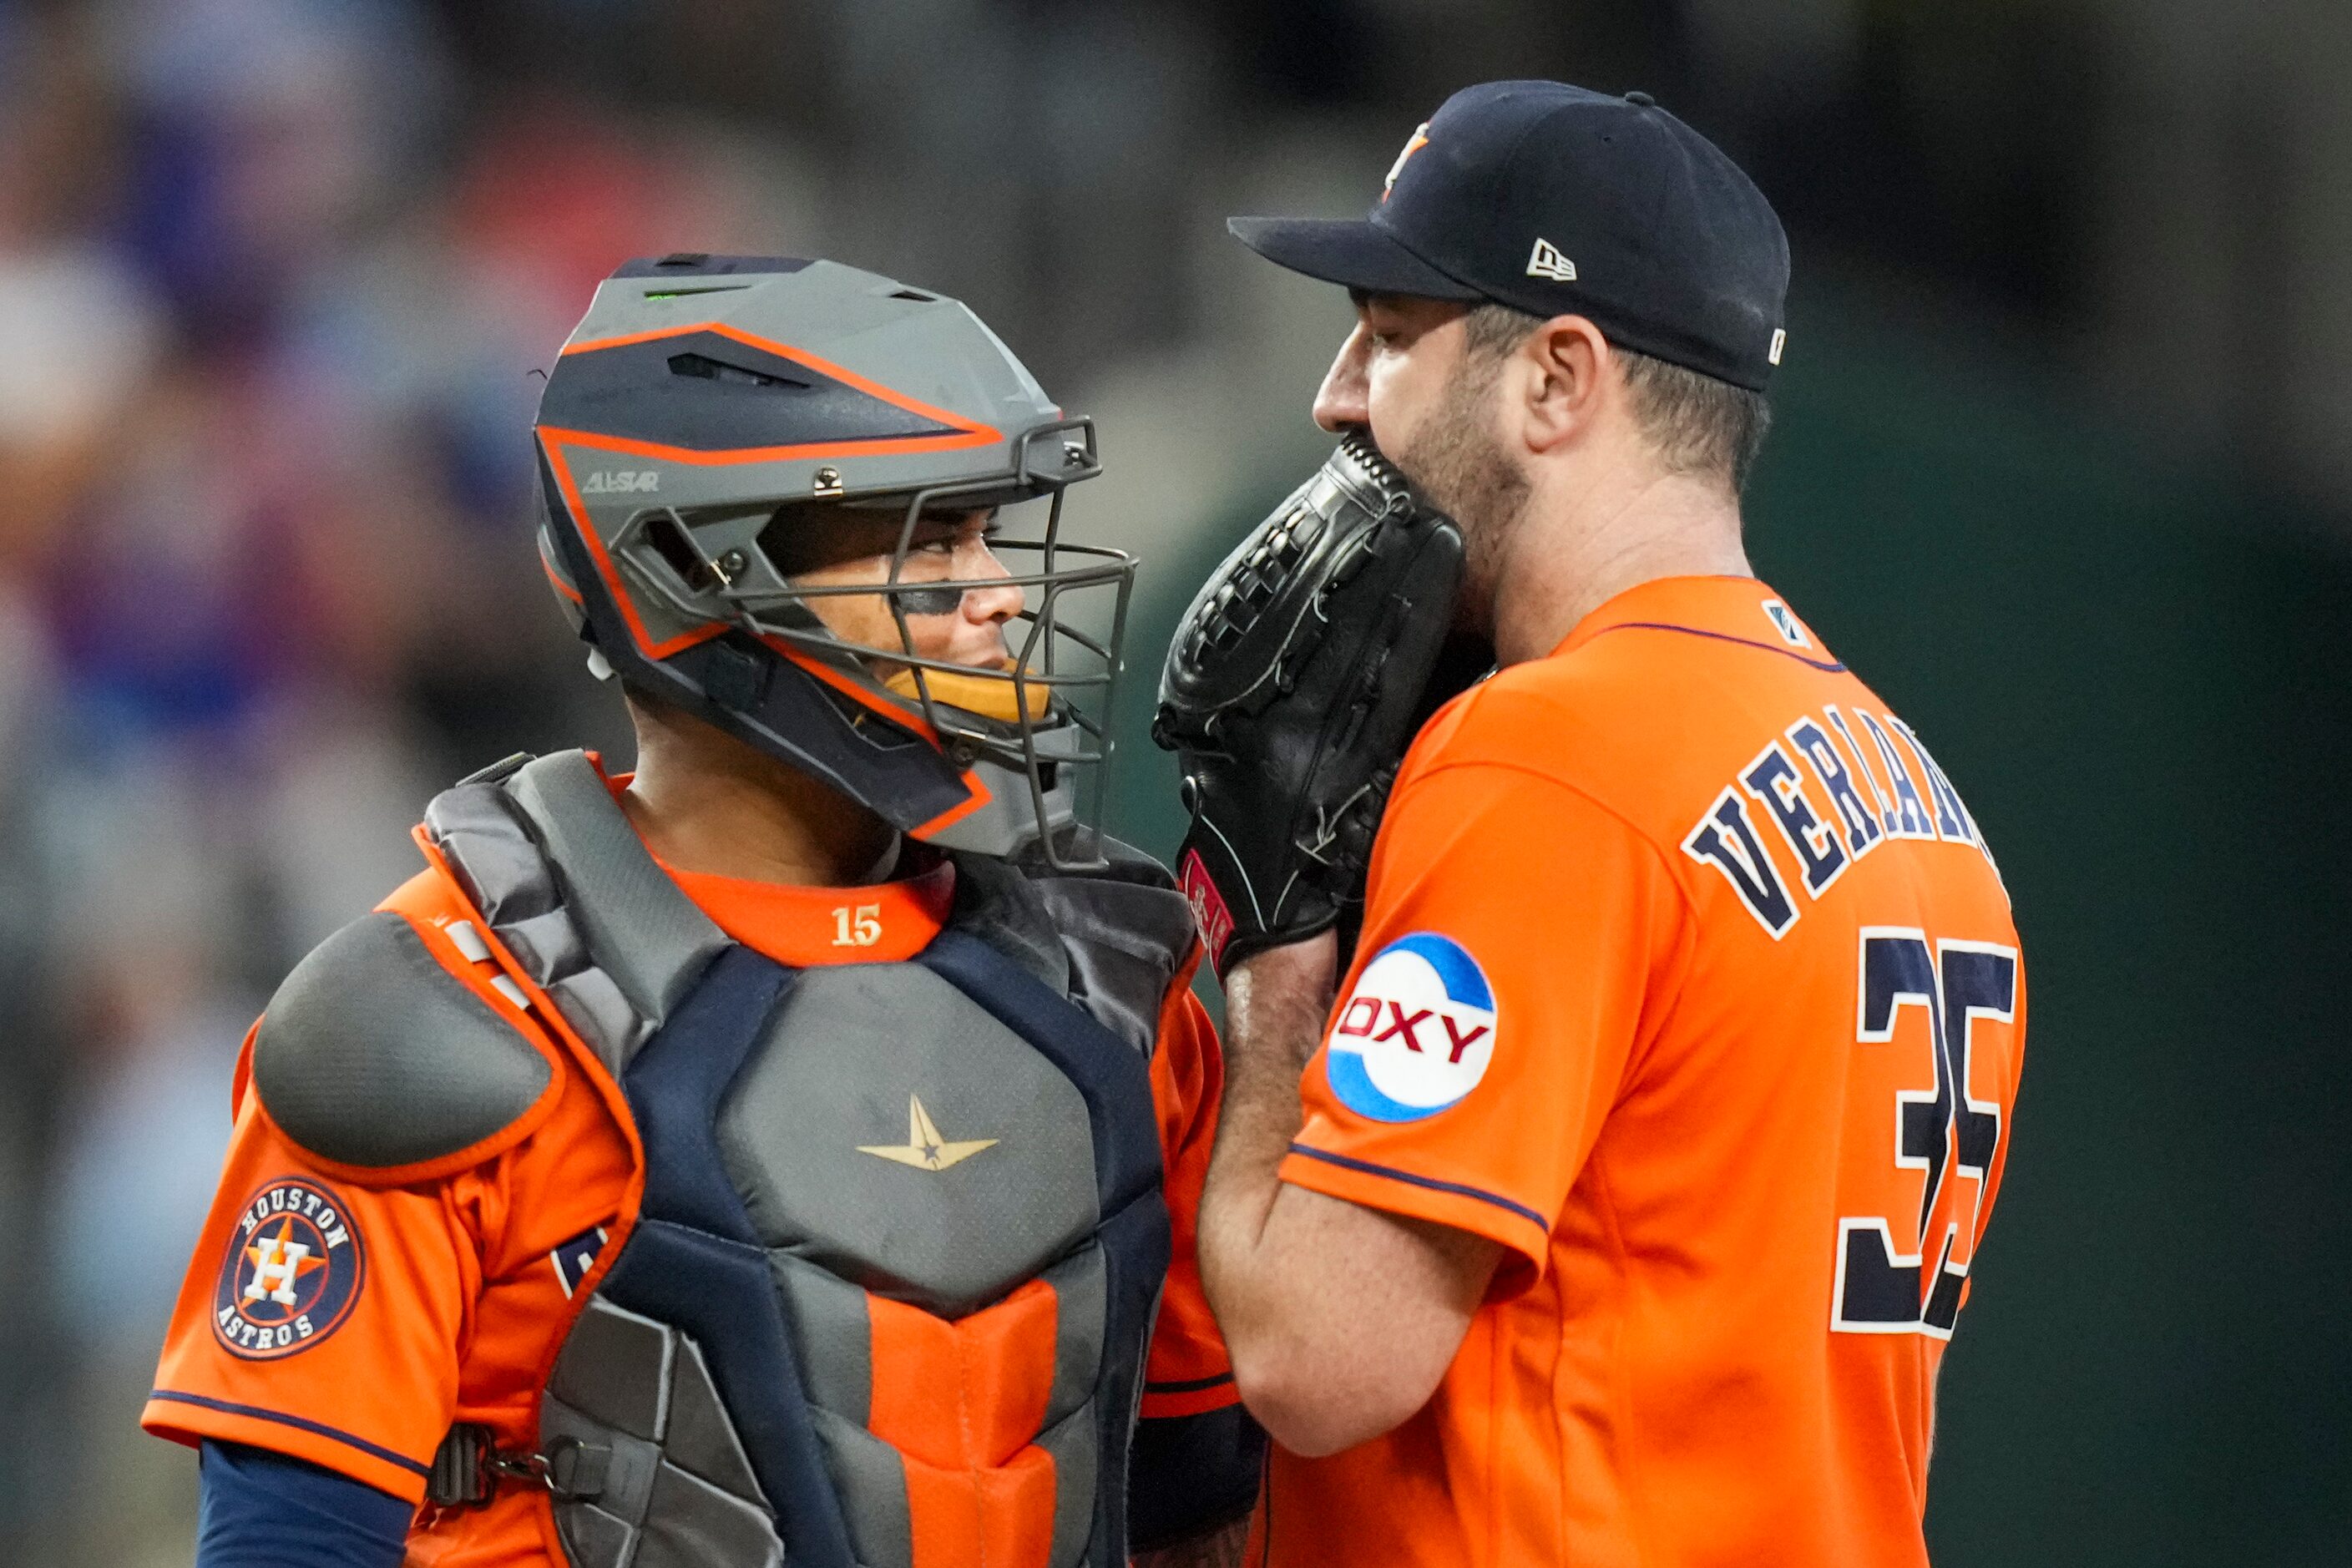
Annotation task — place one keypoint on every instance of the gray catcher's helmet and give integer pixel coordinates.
(710, 409)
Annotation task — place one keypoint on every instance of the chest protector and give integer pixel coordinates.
(901, 1239)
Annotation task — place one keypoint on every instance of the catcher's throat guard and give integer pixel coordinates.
(1301, 672)
(708, 410)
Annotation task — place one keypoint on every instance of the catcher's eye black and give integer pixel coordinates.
(930, 600)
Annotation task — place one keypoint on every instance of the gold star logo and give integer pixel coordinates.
(924, 1148)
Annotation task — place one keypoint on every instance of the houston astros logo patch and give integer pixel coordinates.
(1417, 1032)
(292, 1274)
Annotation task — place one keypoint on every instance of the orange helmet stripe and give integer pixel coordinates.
(964, 432)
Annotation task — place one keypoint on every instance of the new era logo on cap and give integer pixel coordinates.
(1548, 262)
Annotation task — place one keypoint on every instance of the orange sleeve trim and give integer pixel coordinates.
(1456, 1204)
(191, 1417)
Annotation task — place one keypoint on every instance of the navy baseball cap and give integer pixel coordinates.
(1560, 201)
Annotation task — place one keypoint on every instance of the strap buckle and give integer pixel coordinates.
(469, 1467)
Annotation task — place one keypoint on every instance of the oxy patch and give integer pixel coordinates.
(293, 1272)
(1416, 1034)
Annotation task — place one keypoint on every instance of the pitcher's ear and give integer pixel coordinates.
(1560, 375)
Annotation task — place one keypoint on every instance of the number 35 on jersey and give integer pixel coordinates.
(1911, 1193)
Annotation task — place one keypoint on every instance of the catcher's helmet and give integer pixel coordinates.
(708, 415)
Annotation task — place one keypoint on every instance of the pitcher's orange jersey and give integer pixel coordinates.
(1685, 977)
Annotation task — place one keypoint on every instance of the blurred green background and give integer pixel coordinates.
(2062, 466)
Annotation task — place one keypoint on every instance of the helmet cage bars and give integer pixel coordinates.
(1062, 677)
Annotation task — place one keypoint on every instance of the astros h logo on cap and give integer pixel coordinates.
(1420, 140)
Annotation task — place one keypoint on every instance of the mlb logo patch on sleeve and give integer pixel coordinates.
(1417, 1032)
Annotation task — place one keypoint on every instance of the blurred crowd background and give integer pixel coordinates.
(2063, 466)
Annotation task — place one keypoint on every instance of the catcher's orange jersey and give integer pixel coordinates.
(1685, 977)
(441, 1294)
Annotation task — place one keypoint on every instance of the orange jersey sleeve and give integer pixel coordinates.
(1187, 1371)
(327, 1311)
(1514, 928)
(320, 1317)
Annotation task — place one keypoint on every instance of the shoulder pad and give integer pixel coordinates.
(1127, 942)
(547, 860)
(997, 904)
(372, 1054)
(1113, 940)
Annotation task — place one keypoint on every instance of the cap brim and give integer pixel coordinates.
(1354, 253)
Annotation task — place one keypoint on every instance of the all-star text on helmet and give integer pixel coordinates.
(717, 424)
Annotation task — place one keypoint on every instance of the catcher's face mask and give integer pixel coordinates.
(962, 607)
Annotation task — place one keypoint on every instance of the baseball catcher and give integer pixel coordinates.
(787, 1151)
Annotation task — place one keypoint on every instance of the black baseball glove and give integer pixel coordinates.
(1294, 683)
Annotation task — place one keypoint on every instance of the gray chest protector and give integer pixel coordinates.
(901, 1241)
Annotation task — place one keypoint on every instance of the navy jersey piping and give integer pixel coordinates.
(1189, 1385)
(1828, 666)
(1431, 1183)
(318, 1428)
